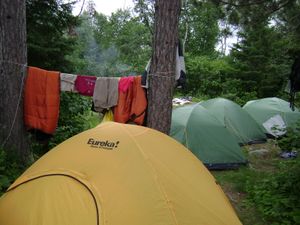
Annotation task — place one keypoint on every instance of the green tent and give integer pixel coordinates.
(206, 137)
(236, 120)
(272, 112)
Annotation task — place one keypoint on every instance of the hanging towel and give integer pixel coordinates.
(85, 85)
(67, 82)
(105, 93)
(41, 100)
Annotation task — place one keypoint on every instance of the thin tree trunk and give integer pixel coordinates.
(13, 61)
(162, 69)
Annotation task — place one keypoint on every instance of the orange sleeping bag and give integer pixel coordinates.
(41, 101)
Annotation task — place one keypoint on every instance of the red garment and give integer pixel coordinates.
(132, 104)
(123, 108)
(139, 102)
(85, 85)
(41, 100)
(125, 83)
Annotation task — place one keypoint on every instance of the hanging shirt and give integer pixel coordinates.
(67, 82)
(105, 93)
(85, 85)
(41, 100)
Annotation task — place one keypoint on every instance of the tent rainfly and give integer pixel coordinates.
(236, 120)
(274, 115)
(117, 174)
(206, 137)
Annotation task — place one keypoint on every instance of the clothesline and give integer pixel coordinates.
(125, 96)
(90, 90)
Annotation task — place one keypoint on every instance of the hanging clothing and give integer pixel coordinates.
(85, 85)
(67, 82)
(105, 93)
(123, 108)
(108, 116)
(41, 100)
(125, 83)
(180, 72)
(139, 102)
(132, 104)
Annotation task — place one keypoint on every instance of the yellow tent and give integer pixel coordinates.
(117, 174)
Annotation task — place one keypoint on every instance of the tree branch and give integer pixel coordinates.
(243, 4)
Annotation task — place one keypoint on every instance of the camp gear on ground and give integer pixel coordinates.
(117, 174)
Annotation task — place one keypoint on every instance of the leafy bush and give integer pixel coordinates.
(215, 78)
(10, 168)
(291, 140)
(276, 196)
(72, 118)
(74, 112)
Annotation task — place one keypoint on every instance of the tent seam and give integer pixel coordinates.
(160, 187)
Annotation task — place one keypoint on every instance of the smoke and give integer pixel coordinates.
(95, 59)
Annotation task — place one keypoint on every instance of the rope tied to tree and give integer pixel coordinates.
(24, 66)
(162, 74)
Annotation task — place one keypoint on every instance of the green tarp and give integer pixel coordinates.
(206, 137)
(236, 120)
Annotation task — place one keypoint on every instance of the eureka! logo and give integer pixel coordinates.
(108, 145)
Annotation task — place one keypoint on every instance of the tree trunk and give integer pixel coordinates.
(13, 69)
(162, 69)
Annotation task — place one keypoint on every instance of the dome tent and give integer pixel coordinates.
(206, 137)
(272, 112)
(116, 174)
(236, 120)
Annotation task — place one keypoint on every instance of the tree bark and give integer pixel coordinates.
(162, 69)
(13, 69)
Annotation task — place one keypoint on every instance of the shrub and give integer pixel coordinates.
(276, 196)
(10, 168)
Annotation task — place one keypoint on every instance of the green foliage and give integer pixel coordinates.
(258, 61)
(276, 196)
(72, 118)
(206, 75)
(291, 140)
(203, 29)
(48, 25)
(10, 168)
(213, 77)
